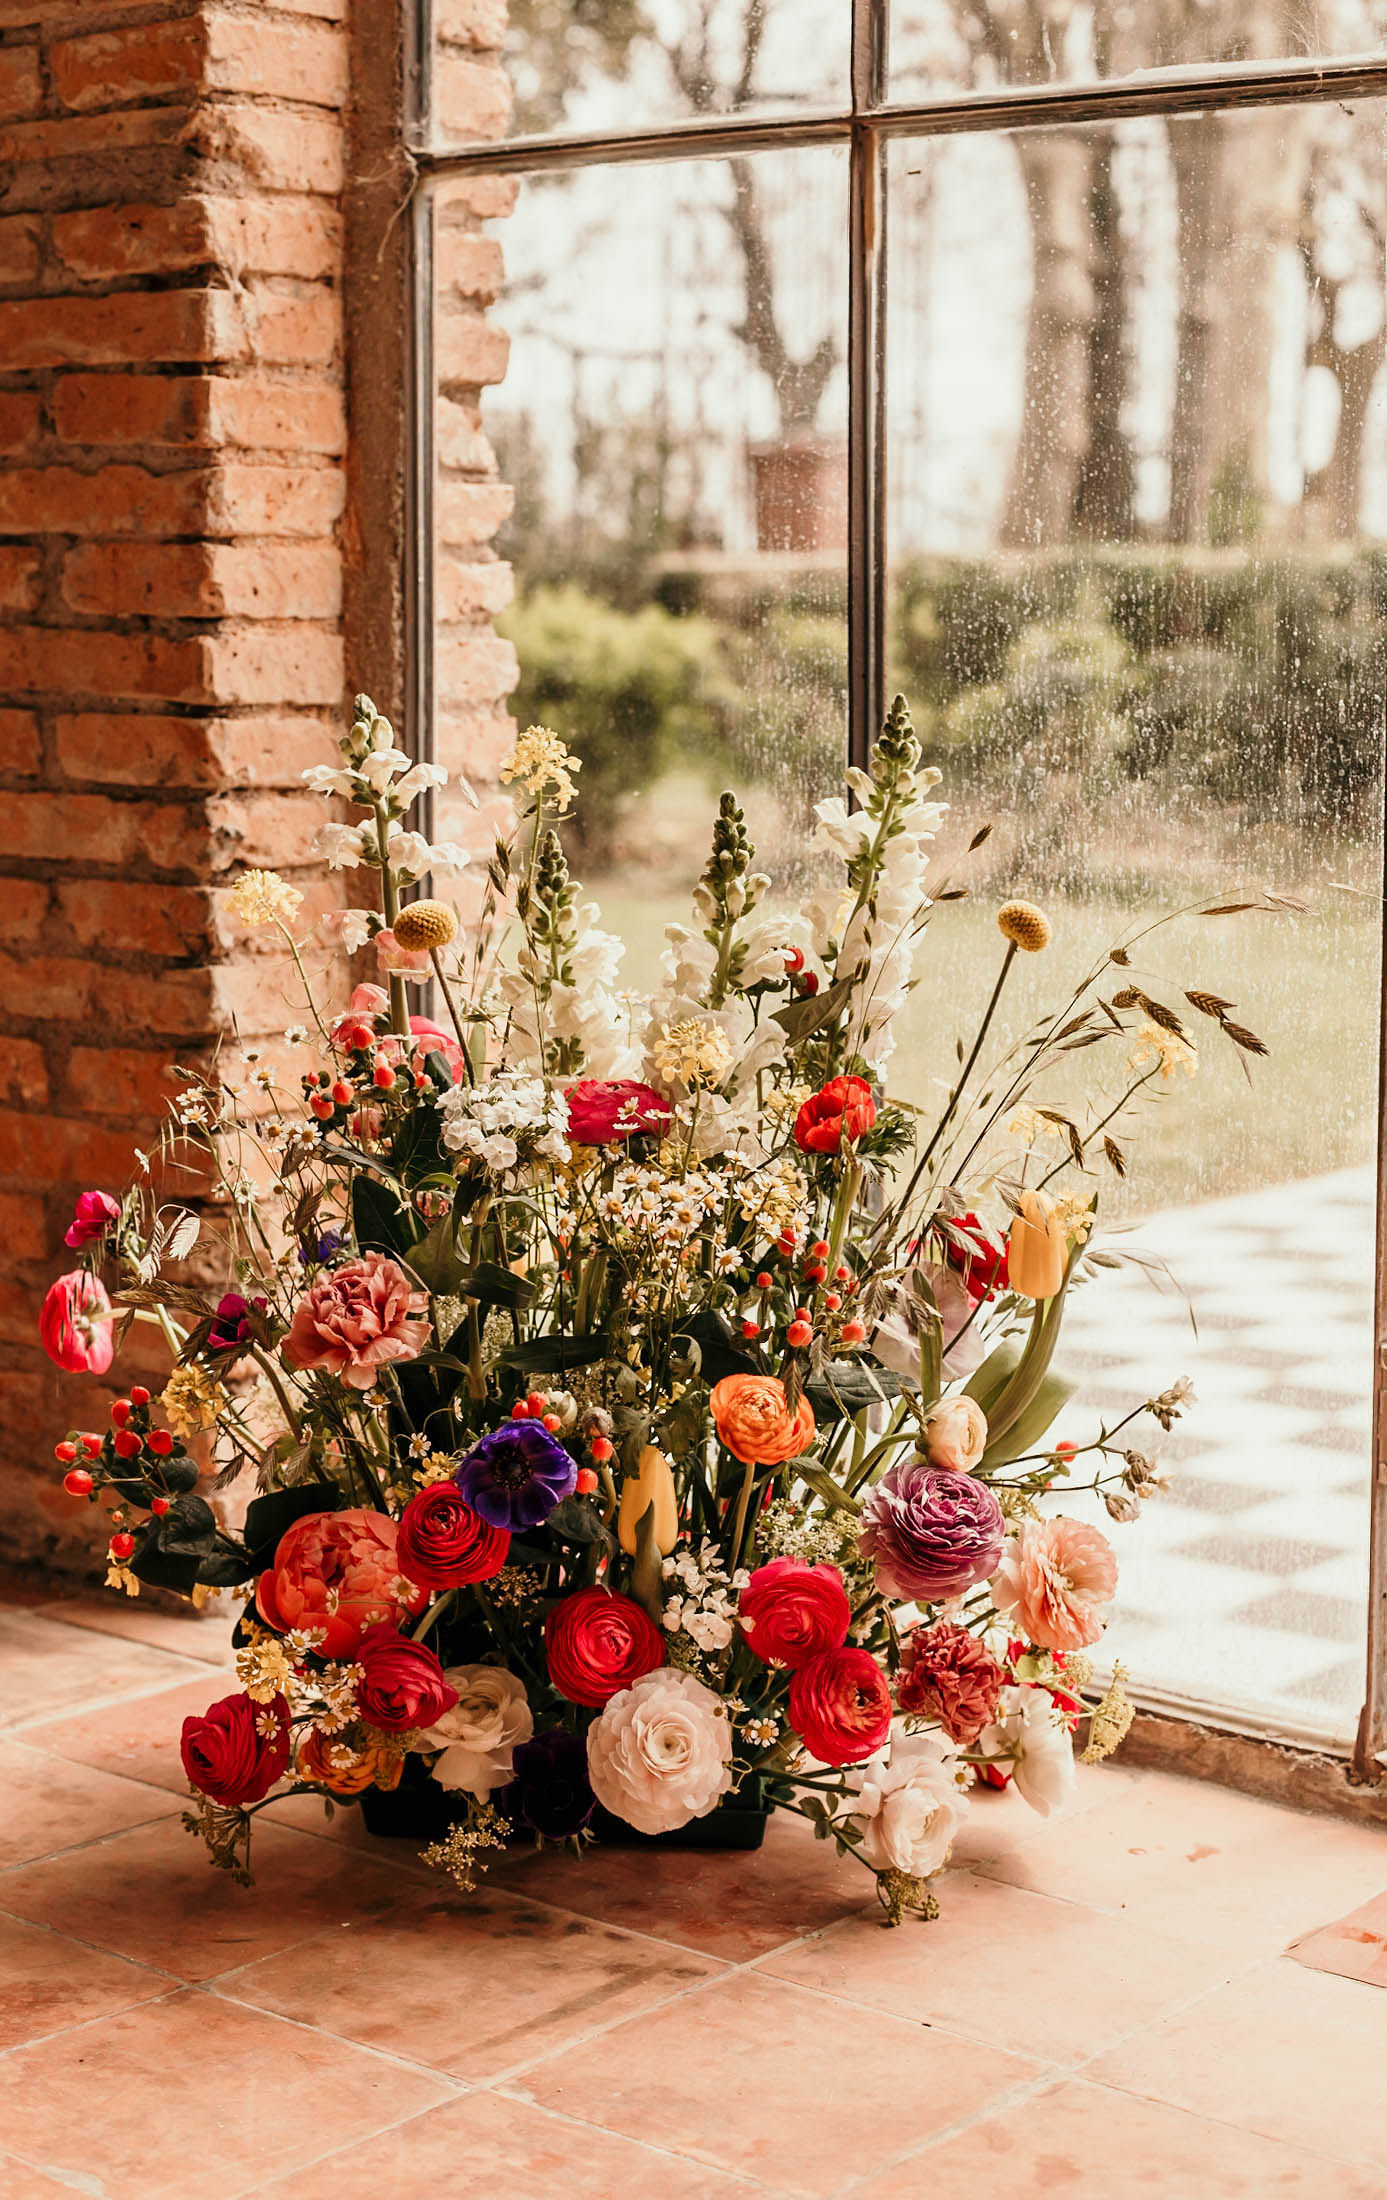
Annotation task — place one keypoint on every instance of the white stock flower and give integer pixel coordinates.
(848, 831)
(330, 779)
(913, 1803)
(417, 780)
(1032, 1733)
(340, 846)
(659, 1755)
(478, 1736)
(379, 767)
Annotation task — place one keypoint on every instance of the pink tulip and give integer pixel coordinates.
(91, 1218)
(75, 1324)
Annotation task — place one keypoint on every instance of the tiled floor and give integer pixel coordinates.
(1105, 2007)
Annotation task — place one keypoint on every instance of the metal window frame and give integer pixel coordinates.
(866, 126)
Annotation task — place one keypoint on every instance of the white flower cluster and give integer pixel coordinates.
(343, 847)
(377, 776)
(667, 1213)
(584, 1006)
(511, 1121)
(877, 949)
(702, 1605)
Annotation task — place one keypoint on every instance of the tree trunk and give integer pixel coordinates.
(1056, 167)
(1104, 500)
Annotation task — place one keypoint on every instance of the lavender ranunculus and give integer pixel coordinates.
(931, 1532)
(551, 1793)
(517, 1475)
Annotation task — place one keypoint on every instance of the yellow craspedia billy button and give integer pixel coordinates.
(1018, 921)
(425, 924)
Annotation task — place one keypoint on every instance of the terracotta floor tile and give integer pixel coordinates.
(152, 1894)
(512, 2152)
(1291, 2053)
(138, 1738)
(48, 1983)
(1353, 1947)
(780, 2084)
(1083, 2142)
(194, 2095)
(732, 1905)
(1008, 1967)
(51, 1668)
(50, 1804)
(19, 2182)
(208, 1640)
(305, 1814)
(998, 1822)
(473, 1987)
(1198, 1861)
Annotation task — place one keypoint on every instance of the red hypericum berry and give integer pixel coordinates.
(120, 1412)
(382, 1077)
(810, 981)
(815, 1272)
(537, 1400)
(853, 1332)
(794, 961)
(420, 1080)
(122, 1546)
(763, 1281)
(751, 1328)
(322, 1107)
(820, 1249)
(841, 1274)
(602, 1448)
(127, 1443)
(65, 1453)
(139, 1396)
(520, 1410)
(341, 1092)
(586, 1482)
(160, 1442)
(159, 1506)
(552, 1422)
(803, 1314)
(77, 1482)
(832, 1301)
(798, 1335)
(90, 1444)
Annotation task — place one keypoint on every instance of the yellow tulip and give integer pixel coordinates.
(1037, 1249)
(651, 1484)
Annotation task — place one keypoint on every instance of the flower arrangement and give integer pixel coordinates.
(646, 1408)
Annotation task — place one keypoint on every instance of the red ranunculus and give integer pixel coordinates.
(598, 1643)
(840, 1706)
(237, 1749)
(75, 1324)
(843, 1109)
(602, 1110)
(441, 1543)
(792, 1612)
(91, 1218)
(981, 1264)
(401, 1682)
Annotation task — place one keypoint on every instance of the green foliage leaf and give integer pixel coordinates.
(269, 1516)
(379, 1224)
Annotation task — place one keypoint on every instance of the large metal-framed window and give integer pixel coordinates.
(866, 125)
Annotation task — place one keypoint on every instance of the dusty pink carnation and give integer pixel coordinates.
(948, 1675)
(352, 1321)
(337, 1572)
(1056, 1581)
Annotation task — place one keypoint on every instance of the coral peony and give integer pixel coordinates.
(792, 1612)
(236, 1749)
(1057, 1579)
(597, 1643)
(91, 1218)
(479, 1735)
(955, 1435)
(517, 1475)
(843, 1109)
(75, 1323)
(912, 1803)
(401, 1684)
(442, 1544)
(357, 1319)
(603, 1110)
(336, 1573)
(551, 1793)
(949, 1675)
(660, 1753)
(755, 1423)
(840, 1706)
(932, 1533)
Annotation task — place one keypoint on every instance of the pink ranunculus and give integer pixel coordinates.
(1056, 1580)
(354, 1320)
(338, 1573)
(408, 961)
(75, 1324)
(602, 1110)
(91, 1218)
(433, 1039)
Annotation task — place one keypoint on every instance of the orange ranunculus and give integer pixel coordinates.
(1037, 1249)
(755, 1423)
(346, 1768)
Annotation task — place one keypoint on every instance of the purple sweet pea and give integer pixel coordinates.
(550, 1793)
(517, 1475)
(230, 1331)
(932, 1532)
(91, 1218)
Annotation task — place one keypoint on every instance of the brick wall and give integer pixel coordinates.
(174, 404)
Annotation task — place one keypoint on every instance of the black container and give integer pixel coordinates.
(420, 1810)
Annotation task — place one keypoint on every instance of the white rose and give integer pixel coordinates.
(913, 1803)
(1031, 1732)
(478, 1736)
(659, 1754)
(956, 1435)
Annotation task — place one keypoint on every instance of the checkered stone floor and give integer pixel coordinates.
(1246, 1584)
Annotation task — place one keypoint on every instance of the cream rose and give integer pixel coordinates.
(659, 1754)
(912, 1803)
(478, 1736)
(956, 1435)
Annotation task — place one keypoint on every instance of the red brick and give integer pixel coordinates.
(19, 249)
(89, 828)
(192, 412)
(21, 421)
(47, 660)
(470, 22)
(271, 500)
(291, 663)
(104, 243)
(487, 198)
(253, 414)
(46, 989)
(281, 236)
(32, 152)
(20, 752)
(470, 98)
(138, 751)
(23, 1071)
(267, 148)
(19, 578)
(274, 830)
(164, 325)
(117, 68)
(53, 1149)
(474, 667)
(476, 744)
(124, 500)
(298, 328)
(23, 911)
(204, 580)
(469, 512)
(462, 445)
(21, 90)
(121, 916)
(119, 1081)
(470, 350)
(469, 263)
(472, 591)
(24, 1230)
(298, 61)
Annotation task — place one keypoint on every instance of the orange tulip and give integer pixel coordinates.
(1037, 1249)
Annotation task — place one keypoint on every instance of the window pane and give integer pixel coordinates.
(673, 423)
(977, 45)
(1137, 507)
(627, 65)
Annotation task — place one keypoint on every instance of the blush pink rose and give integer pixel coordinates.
(338, 1573)
(75, 1324)
(1056, 1580)
(354, 1320)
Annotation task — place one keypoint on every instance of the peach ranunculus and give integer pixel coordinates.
(331, 1761)
(956, 1435)
(1056, 1581)
(338, 1574)
(352, 1321)
(755, 1423)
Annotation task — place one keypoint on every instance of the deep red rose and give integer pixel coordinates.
(981, 1264)
(598, 1643)
(792, 1612)
(840, 1706)
(602, 1110)
(237, 1749)
(401, 1682)
(843, 1109)
(441, 1543)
